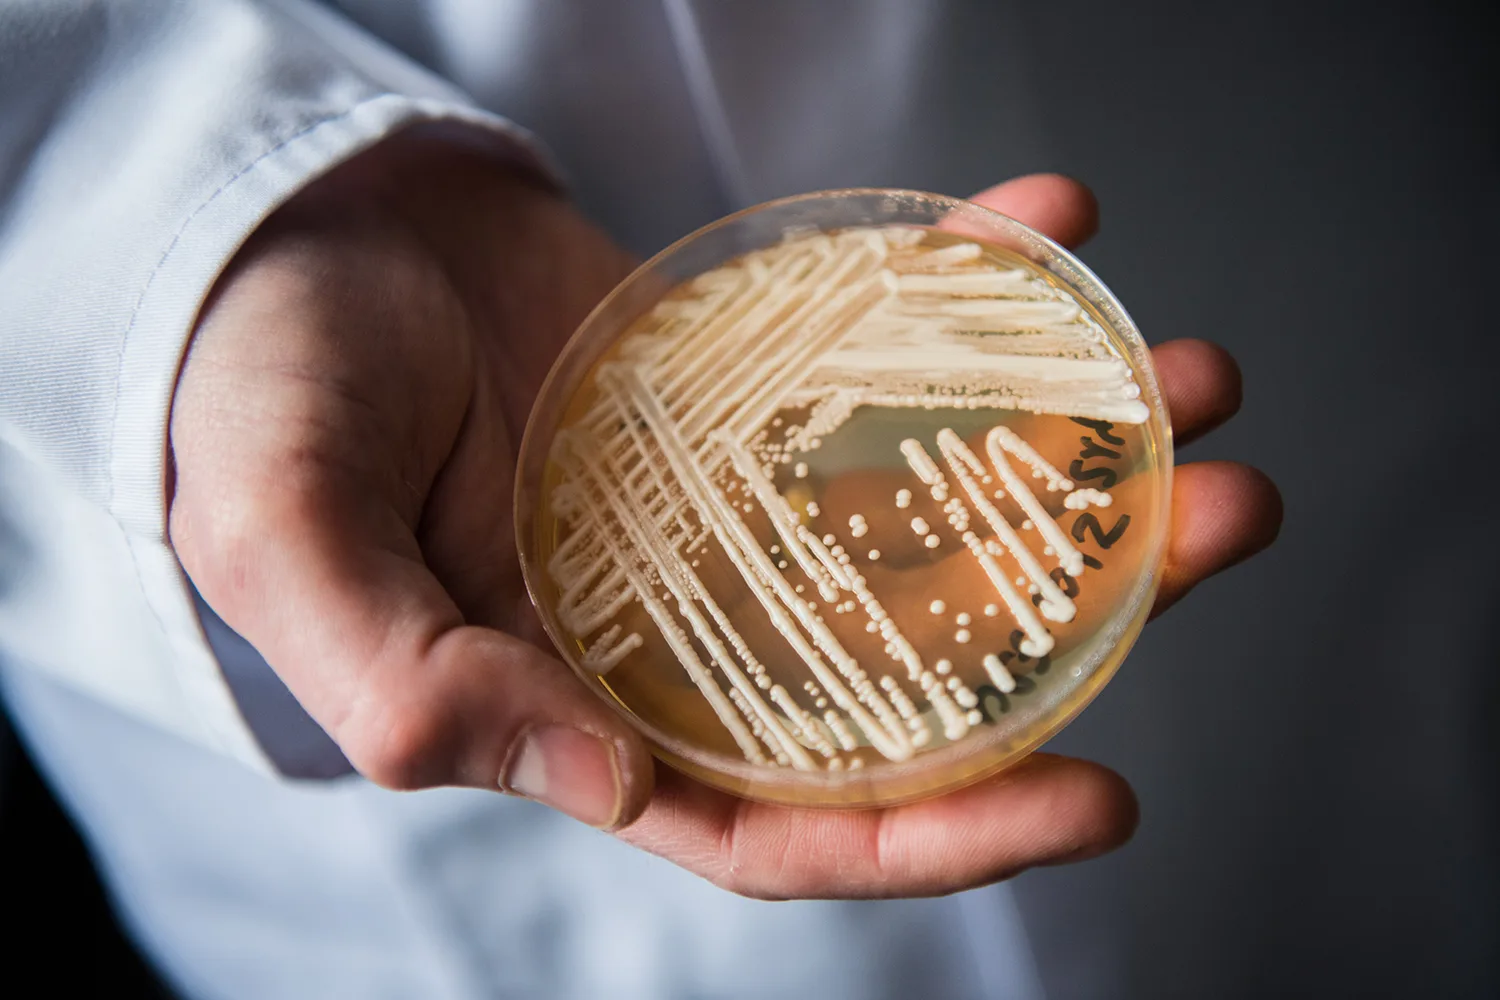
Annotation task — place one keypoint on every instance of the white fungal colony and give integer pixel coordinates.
(752, 369)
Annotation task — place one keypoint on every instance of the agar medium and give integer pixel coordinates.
(848, 499)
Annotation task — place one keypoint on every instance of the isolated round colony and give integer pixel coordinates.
(850, 498)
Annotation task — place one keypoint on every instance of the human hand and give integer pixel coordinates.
(344, 436)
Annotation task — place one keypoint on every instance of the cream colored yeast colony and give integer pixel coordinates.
(746, 370)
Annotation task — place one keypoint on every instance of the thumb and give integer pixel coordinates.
(322, 574)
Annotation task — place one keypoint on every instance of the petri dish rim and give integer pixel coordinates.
(891, 783)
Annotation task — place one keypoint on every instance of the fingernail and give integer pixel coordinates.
(569, 770)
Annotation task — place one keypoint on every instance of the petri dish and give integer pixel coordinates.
(850, 498)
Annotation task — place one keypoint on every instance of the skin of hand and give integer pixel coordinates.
(343, 441)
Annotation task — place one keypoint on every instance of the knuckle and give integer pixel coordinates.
(401, 748)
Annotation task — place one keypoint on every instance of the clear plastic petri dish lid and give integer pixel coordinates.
(849, 498)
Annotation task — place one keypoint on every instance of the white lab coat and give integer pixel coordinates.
(140, 143)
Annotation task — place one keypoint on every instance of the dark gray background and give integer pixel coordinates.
(1312, 736)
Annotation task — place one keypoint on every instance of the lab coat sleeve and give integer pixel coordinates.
(141, 142)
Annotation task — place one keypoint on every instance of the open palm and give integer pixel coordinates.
(344, 436)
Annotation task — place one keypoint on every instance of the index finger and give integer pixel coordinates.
(1056, 206)
(1045, 810)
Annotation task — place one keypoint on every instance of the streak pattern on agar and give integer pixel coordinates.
(750, 369)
